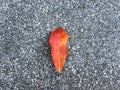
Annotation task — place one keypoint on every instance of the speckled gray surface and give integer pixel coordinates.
(93, 62)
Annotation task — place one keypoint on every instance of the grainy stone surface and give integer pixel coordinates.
(93, 62)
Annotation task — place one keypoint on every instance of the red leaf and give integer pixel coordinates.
(59, 47)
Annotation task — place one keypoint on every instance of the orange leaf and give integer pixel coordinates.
(59, 47)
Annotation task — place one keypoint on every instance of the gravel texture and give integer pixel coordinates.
(93, 62)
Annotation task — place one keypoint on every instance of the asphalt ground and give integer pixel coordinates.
(93, 61)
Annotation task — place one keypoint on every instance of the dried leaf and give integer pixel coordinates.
(59, 47)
